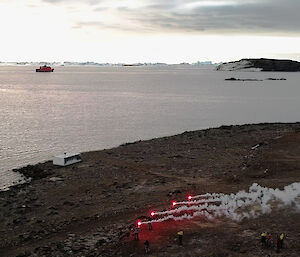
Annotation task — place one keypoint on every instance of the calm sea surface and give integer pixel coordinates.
(76, 109)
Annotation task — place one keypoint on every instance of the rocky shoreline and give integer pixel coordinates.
(237, 79)
(89, 208)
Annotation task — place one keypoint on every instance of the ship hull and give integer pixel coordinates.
(39, 70)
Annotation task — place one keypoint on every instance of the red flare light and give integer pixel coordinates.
(139, 223)
(174, 203)
(152, 213)
(190, 197)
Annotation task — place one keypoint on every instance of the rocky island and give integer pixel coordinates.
(90, 208)
(260, 65)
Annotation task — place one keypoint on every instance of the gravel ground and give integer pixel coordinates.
(89, 208)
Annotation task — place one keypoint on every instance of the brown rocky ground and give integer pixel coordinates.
(88, 209)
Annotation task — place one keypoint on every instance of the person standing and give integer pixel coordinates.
(149, 223)
(263, 238)
(147, 248)
(269, 240)
(136, 233)
(278, 244)
(180, 236)
(281, 240)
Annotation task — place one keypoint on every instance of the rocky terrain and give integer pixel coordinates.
(90, 208)
(260, 65)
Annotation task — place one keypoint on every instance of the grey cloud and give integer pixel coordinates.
(234, 16)
(264, 16)
(89, 2)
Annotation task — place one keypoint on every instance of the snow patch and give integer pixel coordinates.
(242, 65)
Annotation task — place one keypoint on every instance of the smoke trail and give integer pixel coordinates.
(182, 217)
(182, 209)
(206, 195)
(209, 200)
(234, 206)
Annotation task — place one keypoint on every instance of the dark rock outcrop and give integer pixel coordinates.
(34, 171)
(235, 79)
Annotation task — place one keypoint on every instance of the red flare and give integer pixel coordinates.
(190, 197)
(174, 203)
(152, 213)
(139, 223)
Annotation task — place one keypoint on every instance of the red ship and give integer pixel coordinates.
(45, 68)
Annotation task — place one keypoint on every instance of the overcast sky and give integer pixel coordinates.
(148, 30)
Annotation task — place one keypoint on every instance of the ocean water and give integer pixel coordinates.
(76, 109)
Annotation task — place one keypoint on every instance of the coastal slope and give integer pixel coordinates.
(90, 208)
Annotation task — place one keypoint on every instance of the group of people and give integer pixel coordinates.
(136, 235)
(146, 243)
(267, 240)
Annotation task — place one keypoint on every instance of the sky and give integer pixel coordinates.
(130, 31)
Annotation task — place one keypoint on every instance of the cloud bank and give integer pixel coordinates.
(223, 16)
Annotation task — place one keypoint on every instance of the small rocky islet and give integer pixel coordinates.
(262, 64)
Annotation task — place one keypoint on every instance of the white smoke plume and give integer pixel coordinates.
(257, 201)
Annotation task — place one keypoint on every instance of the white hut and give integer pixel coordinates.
(66, 159)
